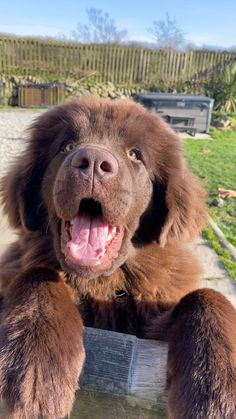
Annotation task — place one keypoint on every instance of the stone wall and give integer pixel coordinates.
(72, 88)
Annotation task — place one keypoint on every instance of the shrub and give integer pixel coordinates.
(225, 96)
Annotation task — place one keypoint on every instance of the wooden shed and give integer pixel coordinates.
(36, 95)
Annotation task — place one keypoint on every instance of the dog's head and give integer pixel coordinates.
(105, 177)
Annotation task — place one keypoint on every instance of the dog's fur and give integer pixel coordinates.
(146, 288)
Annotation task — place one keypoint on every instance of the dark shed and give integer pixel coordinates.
(183, 112)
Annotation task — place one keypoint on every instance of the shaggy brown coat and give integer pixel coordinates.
(112, 161)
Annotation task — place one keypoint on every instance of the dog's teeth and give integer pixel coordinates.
(102, 254)
(112, 234)
(71, 222)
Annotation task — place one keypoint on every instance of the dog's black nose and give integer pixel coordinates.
(95, 161)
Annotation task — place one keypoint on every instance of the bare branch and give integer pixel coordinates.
(167, 34)
(100, 29)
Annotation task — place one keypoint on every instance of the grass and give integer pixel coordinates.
(92, 404)
(214, 161)
(7, 107)
(17, 108)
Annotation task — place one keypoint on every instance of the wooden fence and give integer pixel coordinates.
(123, 65)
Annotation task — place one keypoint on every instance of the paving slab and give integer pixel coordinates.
(212, 267)
(197, 136)
(214, 274)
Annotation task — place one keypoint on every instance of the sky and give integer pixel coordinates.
(204, 22)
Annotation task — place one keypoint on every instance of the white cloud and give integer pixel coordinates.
(208, 39)
(140, 37)
(33, 30)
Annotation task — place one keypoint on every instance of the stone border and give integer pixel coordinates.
(225, 243)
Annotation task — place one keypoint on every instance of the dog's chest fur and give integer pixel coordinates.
(141, 290)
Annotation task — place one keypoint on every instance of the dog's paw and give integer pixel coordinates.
(41, 350)
(38, 372)
(38, 378)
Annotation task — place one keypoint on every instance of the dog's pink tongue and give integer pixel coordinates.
(89, 236)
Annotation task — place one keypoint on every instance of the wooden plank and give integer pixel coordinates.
(125, 69)
(154, 68)
(177, 70)
(124, 364)
(167, 67)
(149, 371)
(144, 65)
(150, 66)
(1, 56)
(110, 64)
(106, 64)
(8, 55)
(183, 67)
(109, 360)
(101, 63)
(116, 64)
(120, 68)
(162, 55)
(128, 73)
(172, 67)
(147, 64)
(138, 64)
(59, 49)
(93, 60)
(190, 60)
(132, 66)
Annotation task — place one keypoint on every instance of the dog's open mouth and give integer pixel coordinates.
(87, 239)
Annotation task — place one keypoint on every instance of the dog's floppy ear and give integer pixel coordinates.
(186, 206)
(178, 197)
(20, 195)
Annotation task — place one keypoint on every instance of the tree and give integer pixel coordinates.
(101, 29)
(167, 34)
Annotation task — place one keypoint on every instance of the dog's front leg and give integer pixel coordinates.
(202, 358)
(41, 346)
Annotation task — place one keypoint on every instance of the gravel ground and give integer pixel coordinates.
(13, 126)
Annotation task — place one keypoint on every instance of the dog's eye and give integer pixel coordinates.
(67, 147)
(134, 154)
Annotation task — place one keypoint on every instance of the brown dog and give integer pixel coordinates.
(104, 205)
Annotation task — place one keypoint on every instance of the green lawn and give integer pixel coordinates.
(217, 168)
